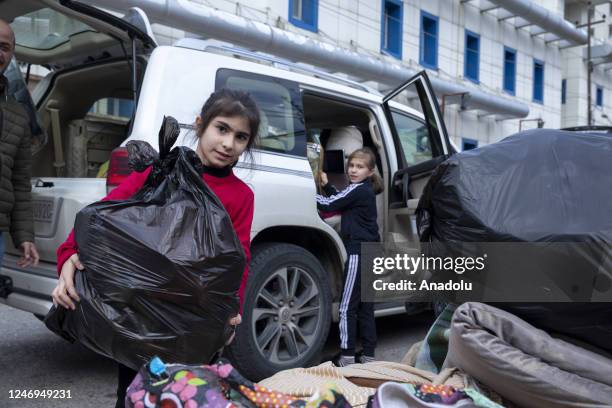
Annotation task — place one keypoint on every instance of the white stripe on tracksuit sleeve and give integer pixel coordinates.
(340, 200)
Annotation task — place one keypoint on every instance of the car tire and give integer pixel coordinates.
(286, 312)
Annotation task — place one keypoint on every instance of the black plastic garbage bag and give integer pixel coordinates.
(539, 186)
(161, 269)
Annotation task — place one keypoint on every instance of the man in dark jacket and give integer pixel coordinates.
(15, 161)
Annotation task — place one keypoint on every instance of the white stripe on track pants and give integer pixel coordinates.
(354, 312)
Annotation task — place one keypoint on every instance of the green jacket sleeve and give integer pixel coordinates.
(22, 226)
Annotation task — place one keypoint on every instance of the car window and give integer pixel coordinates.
(420, 131)
(414, 138)
(45, 29)
(117, 107)
(282, 119)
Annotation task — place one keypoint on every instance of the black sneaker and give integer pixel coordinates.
(342, 361)
(361, 358)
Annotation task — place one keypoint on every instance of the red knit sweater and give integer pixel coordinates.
(234, 194)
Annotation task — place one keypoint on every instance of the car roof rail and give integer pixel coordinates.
(277, 62)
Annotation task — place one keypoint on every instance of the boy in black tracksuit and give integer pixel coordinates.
(358, 206)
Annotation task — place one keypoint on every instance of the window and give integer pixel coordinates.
(468, 144)
(472, 56)
(45, 29)
(563, 91)
(113, 107)
(538, 81)
(304, 14)
(414, 138)
(509, 70)
(92, 139)
(280, 108)
(415, 121)
(599, 96)
(391, 32)
(429, 41)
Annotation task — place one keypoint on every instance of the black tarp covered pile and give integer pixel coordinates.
(538, 186)
(161, 269)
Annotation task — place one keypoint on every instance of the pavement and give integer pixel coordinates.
(33, 358)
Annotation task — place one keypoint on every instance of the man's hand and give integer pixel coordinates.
(29, 255)
(64, 293)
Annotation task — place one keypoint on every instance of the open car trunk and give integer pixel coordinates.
(61, 34)
(95, 62)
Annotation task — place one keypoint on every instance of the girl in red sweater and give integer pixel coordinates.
(227, 127)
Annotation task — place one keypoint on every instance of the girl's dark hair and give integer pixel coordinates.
(368, 156)
(229, 102)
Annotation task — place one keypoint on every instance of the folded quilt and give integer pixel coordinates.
(524, 364)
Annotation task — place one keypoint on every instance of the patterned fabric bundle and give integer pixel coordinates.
(214, 386)
(432, 352)
(396, 395)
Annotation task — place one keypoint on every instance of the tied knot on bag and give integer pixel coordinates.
(141, 155)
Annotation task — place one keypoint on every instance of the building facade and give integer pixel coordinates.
(574, 108)
(526, 54)
(475, 43)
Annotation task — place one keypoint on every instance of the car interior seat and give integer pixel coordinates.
(265, 139)
(348, 139)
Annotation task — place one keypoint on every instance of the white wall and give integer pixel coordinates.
(574, 112)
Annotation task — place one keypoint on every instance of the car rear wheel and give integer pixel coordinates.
(286, 312)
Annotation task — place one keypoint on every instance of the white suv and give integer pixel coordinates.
(297, 257)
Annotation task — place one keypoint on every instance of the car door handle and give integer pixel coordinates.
(41, 183)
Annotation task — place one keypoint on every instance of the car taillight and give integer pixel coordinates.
(118, 169)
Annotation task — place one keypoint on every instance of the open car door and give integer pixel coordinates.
(422, 143)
